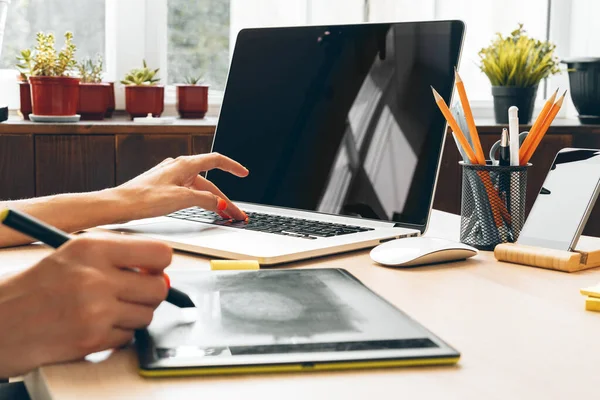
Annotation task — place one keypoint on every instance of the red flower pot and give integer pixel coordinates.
(111, 100)
(93, 100)
(54, 95)
(192, 101)
(144, 99)
(25, 92)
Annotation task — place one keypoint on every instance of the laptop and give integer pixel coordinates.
(340, 132)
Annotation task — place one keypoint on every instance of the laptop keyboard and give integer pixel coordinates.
(269, 223)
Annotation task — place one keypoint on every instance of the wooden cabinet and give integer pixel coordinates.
(73, 163)
(139, 153)
(45, 159)
(42, 159)
(17, 180)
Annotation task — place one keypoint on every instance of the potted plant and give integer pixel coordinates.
(515, 65)
(93, 94)
(192, 98)
(24, 66)
(53, 91)
(142, 94)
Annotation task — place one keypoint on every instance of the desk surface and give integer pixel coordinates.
(523, 334)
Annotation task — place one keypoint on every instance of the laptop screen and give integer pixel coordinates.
(339, 119)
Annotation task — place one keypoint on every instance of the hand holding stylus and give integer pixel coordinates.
(79, 300)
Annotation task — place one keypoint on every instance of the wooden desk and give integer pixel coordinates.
(523, 334)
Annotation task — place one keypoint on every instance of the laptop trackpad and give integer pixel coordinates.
(175, 227)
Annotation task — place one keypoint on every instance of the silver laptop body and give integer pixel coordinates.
(341, 135)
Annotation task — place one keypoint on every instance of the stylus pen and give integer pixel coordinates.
(55, 238)
(504, 156)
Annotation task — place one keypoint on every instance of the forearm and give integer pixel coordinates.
(69, 212)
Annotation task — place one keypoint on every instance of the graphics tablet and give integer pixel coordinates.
(282, 321)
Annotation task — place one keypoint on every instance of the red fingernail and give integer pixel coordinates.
(221, 204)
(167, 280)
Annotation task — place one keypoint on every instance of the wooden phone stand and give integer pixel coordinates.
(586, 256)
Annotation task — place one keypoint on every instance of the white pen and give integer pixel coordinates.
(513, 134)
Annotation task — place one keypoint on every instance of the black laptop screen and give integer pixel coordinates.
(339, 119)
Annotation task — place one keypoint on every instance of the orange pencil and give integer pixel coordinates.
(454, 126)
(464, 100)
(536, 126)
(543, 129)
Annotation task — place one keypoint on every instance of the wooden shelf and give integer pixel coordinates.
(115, 126)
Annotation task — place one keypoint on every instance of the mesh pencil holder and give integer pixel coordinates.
(493, 204)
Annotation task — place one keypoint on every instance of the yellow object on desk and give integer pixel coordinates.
(592, 291)
(592, 304)
(232, 265)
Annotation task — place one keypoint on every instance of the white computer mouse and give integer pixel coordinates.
(409, 252)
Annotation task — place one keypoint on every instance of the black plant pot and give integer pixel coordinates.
(584, 79)
(508, 96)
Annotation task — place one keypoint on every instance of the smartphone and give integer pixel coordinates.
(565, 201)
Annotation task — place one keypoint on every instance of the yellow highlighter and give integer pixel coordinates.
(592, 291)
(592, 304)
(232, 265)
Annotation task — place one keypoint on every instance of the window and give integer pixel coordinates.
(25, 18)
(191, 37)
(198, 41)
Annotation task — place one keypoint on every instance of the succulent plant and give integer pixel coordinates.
(518, 60)
(25, 64)
(46, 62)
(141, 76)
(193, 79)
(90, 71)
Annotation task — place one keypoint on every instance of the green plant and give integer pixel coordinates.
(193, 80)
(47, 62)
(518, 60)
(90, 71)
(25, 64)
(141, 76)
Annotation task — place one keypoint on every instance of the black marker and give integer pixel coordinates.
(55, 238)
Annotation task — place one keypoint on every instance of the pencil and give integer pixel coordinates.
(454, 126)
(543, 129)
(536, 126)
(486, 180)
(55, 238)
(464, 100)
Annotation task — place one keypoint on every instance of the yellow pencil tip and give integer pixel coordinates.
(4, 214)
(457, 76)
(435, 94)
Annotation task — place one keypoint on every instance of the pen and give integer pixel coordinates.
(55, 238)
(513, 131)
(504, 158)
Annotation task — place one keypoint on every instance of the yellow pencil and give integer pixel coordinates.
(464, 100)
(454, 126)
(536, 126)
(543, 129)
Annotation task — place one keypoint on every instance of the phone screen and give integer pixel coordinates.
(565, 201)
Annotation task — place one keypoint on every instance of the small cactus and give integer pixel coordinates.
(141, 76)
(193, 80)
